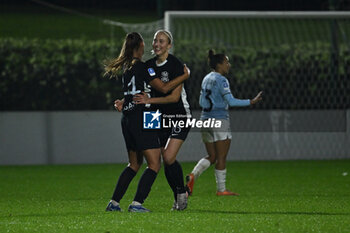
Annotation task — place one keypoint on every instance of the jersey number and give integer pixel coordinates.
(207, 94)
(132, 90)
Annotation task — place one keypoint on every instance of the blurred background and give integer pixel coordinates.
(56, 106)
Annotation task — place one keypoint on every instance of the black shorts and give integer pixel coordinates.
(135, 137)
(174, 132)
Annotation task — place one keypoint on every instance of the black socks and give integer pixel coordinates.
(173, 173)
(175, 177)
(123, 183)
(145, 184)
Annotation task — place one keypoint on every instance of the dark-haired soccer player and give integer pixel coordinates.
(215, 98)
(138, 142)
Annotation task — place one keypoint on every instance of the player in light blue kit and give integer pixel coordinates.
(215, 99)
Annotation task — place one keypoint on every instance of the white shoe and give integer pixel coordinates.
(181, 201)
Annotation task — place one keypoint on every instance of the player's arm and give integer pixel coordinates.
(234, 102)
(225, 91)
(166, 87)
(173, 97)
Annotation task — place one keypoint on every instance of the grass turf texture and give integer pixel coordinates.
(276, 196)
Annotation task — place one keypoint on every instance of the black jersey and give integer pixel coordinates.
(135, 80)
(169, 70)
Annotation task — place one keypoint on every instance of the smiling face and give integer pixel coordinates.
(161, 44)
(224, 67)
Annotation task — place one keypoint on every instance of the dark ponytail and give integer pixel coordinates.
(214, 59)
(124, 61)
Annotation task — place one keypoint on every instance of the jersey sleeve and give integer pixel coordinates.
(225, 91)
(233, 102)
(224, 86)
(179, 67)
(148, 72)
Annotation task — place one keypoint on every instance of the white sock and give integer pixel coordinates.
(201, 166)
(135, 203)
(220, 176)
(114, 203)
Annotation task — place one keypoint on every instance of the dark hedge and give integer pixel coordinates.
(55, 75)
(67, 74)
(299, 76)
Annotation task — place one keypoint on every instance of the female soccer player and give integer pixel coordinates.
(138, 142)
(215, 98)
(176, 107)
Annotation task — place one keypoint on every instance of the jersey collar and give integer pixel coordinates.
(161, 64)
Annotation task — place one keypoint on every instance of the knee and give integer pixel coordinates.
(212, 159)
(154, 166)
(135, 166)
(221, 162)
(168, 160)
(221, 158)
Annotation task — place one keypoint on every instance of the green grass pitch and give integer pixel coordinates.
(276, 196)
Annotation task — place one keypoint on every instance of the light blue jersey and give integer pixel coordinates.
(216, 97)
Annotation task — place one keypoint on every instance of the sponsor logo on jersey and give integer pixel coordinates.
(151, 120)
(151, 71)
(225, 85)
(164, 77)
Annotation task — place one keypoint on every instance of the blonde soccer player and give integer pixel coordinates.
(173, 105)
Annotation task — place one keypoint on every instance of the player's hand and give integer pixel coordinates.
(257, 98)
(118, 105)
(141, 98)
(187, 71)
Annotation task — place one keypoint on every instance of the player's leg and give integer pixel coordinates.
(171, 149)
(174, 173)
(171, 181)
(125, 178)
(164, 135)
(147, 179)
(222, 147)
(135, 161)
(204, 163)
(168, 177)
